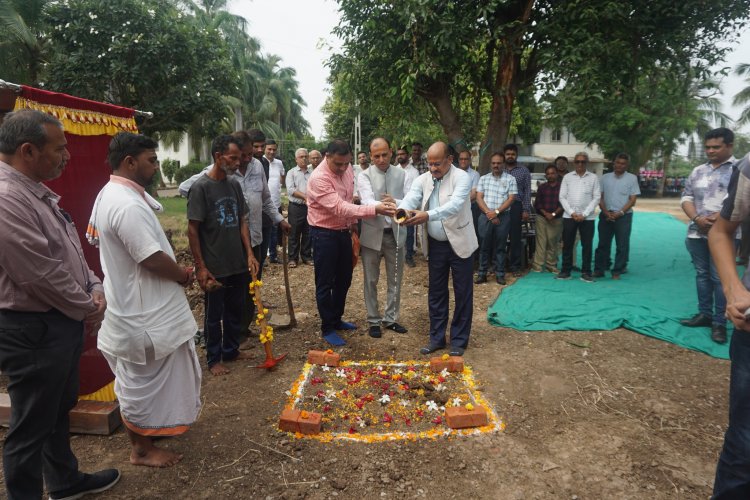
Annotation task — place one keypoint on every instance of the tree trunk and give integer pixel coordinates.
(438, 96)
(666, 161)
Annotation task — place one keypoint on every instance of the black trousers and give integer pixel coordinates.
(586, 228)
(300, 233)
(516, 235)
(39, 353)
(444, 263)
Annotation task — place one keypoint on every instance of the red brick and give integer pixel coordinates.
(291, 421)
(311, 424)
(288, 420)
(458, 417)
(452, 364)
(323, 358)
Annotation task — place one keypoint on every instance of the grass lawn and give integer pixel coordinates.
(174, 219)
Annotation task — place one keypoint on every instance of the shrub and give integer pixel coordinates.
(189, 170)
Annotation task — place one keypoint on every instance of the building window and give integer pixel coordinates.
(556, 135)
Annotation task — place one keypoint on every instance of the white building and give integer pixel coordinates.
(561, 142)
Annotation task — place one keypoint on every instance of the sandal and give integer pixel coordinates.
(292, 264)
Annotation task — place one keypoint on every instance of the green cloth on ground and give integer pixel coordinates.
(657, 291)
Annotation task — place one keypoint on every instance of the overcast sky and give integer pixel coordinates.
(300, 33)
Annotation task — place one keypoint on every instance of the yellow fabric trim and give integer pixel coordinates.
(106, 393)
(81, 122)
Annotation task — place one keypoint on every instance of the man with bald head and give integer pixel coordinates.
(296, 190)
(441, 199)
(382, 238)
(315, 158)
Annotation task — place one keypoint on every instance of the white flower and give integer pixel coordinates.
(442, 409)
(440, 387)
(325, 367)
(362, 423)
(432, 406)
(457, 402)
(288, 393)
(444, 373)
(398, 371)
(380, 368)
(331, 394)
(340, 372)
(151, 12)
(385, 398)
(404, 403)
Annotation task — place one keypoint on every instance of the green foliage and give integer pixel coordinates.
(189, 170)
(170, 168)
(156, 60)
(472, 61)
(175, 206)
(23, 47)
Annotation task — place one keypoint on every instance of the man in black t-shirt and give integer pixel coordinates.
(220, 243)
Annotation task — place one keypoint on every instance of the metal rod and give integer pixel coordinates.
(8, 85)
(17, 88)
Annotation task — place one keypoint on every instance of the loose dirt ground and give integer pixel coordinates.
(626, 417)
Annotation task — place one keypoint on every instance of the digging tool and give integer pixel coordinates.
(266, 332)
(290, 307)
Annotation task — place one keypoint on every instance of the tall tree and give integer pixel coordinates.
(742, 98)
(438, 51)
(23, 47)
(156, 60)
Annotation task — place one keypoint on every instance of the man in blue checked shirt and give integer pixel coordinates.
(520, 210)
(496, 193)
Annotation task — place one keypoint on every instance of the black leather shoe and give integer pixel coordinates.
(699, 319)
(500, 280)
(375, 332)
(719, 334)
(396, 327)
(431, 348)
(598, 274)
(91, 483)
(457, 351)
(481, 278)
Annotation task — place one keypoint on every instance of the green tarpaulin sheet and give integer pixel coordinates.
(657, 291)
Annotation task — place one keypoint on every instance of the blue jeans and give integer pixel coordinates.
(442, 263)
(733, 470)
(410, 243)
(619, 230)
(711, 300)
(224, 308)
(493, 236)
(332, 256)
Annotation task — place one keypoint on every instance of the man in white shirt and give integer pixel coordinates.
(147, 333)
(276, 174)
(579, 195)
(296, 191)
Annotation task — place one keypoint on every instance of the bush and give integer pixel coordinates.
(170, 168)
(189, 170)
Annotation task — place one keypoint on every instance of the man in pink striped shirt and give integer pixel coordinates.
(333, 217)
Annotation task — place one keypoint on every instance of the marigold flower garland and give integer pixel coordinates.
(266, 331)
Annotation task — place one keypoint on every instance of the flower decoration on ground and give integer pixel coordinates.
(374, 401)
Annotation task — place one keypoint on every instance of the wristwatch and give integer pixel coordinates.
(497, 211)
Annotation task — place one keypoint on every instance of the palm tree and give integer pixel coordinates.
(23, 48)
(743, 96)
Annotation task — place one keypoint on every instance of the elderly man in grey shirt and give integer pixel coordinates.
(619, 192)
(48, 295)
(296, 190)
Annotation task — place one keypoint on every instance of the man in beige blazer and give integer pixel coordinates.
(382, 238)
(441, 197)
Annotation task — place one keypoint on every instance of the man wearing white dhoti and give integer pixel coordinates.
(147, 334)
